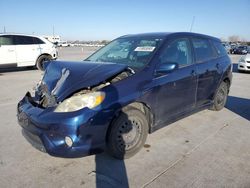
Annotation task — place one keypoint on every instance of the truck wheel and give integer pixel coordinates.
(40, 61)
(220, 98)
(127, 133)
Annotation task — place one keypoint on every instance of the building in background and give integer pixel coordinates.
(54, 39)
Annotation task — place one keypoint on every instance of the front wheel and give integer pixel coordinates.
(220, 98)
(41, 60)
(127, 133)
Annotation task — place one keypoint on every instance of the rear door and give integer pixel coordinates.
(26, 51)
(7, 51)
(208, 70)
(176, 92)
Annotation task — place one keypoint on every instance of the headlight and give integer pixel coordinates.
(78, 102)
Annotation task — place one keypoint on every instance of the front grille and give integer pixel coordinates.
(46, 98)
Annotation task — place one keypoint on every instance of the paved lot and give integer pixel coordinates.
(208, 149)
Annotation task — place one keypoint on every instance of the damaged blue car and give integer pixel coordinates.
(131, 87)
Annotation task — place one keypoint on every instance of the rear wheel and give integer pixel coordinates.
(220, 98)
(127, 133)
(41, 60)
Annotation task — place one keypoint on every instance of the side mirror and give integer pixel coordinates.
(166, 68)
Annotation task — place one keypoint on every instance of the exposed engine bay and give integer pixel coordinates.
(48, 99)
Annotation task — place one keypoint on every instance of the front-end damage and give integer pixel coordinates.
(46, 99)
(62, 90)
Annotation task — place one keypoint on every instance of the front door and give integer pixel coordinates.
(176, 91)
(26, 51)
(7, 51)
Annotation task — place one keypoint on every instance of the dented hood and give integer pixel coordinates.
(62, 78)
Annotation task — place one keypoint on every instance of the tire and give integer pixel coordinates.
(220, 98)
(40, 61)
(127, 134)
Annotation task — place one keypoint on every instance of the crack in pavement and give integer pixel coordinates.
(186, 154)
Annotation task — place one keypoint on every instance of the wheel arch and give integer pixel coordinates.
(37, 64)
(144, 108)
(47, 54)
(227, 80)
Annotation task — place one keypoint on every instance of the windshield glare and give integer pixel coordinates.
(134, 52)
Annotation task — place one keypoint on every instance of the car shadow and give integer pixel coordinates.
(240, 106)
(111, 172)
(16, 69)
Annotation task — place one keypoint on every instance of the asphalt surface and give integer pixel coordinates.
(207, 149)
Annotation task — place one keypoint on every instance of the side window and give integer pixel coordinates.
(6, 40)
(220, 49)
(178, 51)
(38, 41)
(203, 50)
(23, 40)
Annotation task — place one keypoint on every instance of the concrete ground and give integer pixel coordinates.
(207, 149)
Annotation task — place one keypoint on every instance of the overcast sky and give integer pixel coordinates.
(104, 19)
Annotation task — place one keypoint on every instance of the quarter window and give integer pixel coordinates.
(6, 40)
(203, 50)
(178, 52)
(37, 41)
(220, 49)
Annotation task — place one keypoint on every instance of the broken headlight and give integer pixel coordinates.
(78, 102)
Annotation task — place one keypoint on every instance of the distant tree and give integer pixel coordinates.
(234, 38)
(104, 42)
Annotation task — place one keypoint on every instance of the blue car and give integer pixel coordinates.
(131, 87)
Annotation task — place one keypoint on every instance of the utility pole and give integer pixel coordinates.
(192, 23)
(4, 30)
(53, 31)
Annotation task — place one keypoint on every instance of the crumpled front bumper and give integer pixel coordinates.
(46, 130)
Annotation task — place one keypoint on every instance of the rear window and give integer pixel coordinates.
(220, 49)
(38, 41)
(203, 50)
(6, 40)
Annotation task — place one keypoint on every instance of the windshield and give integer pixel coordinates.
(135, 52)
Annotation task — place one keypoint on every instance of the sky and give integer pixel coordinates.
(108, 19)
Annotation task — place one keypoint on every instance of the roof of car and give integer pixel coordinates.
(166, 34)
(19, 34)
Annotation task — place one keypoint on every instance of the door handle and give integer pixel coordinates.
(217, 65)
(10, 50)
